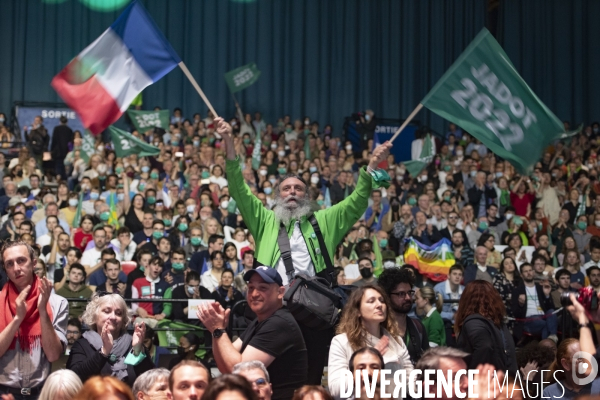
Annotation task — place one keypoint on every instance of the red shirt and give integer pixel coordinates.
(81, 239)
(521, 204)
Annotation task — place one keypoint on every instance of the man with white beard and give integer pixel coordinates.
(292, 208)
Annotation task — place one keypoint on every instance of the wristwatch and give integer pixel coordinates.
(217, 333)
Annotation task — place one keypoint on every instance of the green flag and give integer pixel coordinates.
(256, 152)
(483, 93)
(87, 146)
(415, 167)
(242, 77)
(146, 120)
(125, 144)
(77, 217)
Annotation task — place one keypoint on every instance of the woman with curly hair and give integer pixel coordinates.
(480, 329)
(366, 321)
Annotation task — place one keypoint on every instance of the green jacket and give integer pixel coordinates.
(334, 221)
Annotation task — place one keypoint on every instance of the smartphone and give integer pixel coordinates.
(179, 154)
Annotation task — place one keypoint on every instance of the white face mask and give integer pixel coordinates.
(263, 172)
(314, 179)
(459, 153)
(274, 146)
(224, 204)
(349, 147)
(424, 178)
(191, 208)
(281, 153)
(597, 223)
(509, 216)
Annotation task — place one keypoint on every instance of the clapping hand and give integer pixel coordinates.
(213, 316)
(107, 339)
(21, 303)
(138, 337)
(45, 292)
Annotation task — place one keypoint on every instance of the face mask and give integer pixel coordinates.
(281, 171)
(1, 120)
(190, 290)
(73, 202)
(582, 225)
(94, 196)
(224, 204)
(191, 208)
(424, 178)
(367, 117)
(597, 223)
(268, 190)
(182, 227)
(205, 174)
(447, 168)
(288, 130)
(447, 198)
(499, 174)
(145, 169)
(349, 147)
(312, 170)
(483, 225)
(383, 243)
(151, 200)
(412, 201)
(559, 161)
(141, 187)
(366, 273)
(196, 143)
(306, 121)
(175, 143)
(273, 181)
(154, 175)
(274, 146)
(246, 140)
(389, 264)
(459, 153)
(195, 241)
(104, 216)
(320, 202)
(281, 153)
(314, 179)
(130, 174)
(167, 222)
(120, 196)
(157, 235)
(178, 266)
(473, 173)
(509, 216)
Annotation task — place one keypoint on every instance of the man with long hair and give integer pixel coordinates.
(292, 208)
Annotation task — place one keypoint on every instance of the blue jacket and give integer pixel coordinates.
(449, 309)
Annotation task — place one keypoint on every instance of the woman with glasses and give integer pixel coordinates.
(212, 278)
(366, 321)
(107, 349)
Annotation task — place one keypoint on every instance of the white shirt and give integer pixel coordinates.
(43, 240)
(533, 303)
(209, 281)
(91, 257)
(300, 256)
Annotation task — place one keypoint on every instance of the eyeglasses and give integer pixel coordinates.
(410, 293)
(72, 332)
(260, 382)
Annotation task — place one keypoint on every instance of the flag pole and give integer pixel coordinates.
(406, 121)
(187, 73)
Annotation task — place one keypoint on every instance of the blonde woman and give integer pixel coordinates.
(366, 321)
(211, 227)
(425, 299)
(61, 385)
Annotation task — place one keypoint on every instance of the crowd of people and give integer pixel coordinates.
(88, 238)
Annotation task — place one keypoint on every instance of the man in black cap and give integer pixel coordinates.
(274, 337)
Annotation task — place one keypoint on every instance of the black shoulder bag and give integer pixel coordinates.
(311, 300)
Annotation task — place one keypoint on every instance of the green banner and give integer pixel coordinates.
(483, 93)
(146, 120)
(242, 77)
(87, 146)
(125, 144)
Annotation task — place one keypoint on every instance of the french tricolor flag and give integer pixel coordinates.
(102, 81)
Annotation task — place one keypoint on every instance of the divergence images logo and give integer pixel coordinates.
(581, 363)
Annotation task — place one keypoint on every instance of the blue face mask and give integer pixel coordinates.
(145, 169)
(94, 196)
(120, 196)
(312, 170)
(268, 190)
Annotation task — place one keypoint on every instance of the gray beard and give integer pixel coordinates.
(285, 214)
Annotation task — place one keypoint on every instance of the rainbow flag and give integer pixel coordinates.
(431, 261)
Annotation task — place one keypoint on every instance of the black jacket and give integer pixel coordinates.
(336, 192)
(86, 362)
(487, 344)
(38, 140)
(475, 196)
(418, 342)
(471, 273)
(61, 137)
(520, 311)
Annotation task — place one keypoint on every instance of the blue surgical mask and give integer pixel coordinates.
(268, 190)
(312, 170)
(120, 196)
(273, 181)
(94, 196)
(145, 169)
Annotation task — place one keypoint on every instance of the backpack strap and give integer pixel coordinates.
(286, 251)
(324, 252)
